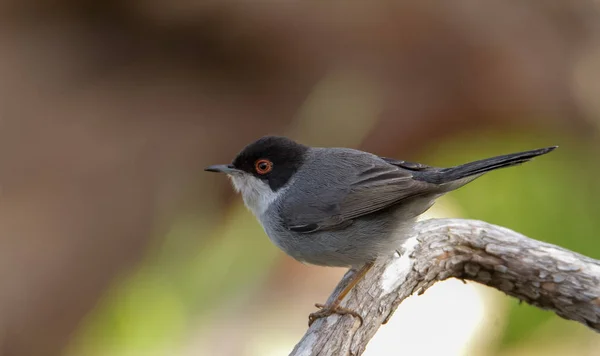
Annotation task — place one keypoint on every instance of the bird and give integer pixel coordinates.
(343, 207)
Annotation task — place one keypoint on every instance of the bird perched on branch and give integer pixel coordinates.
(343, 207)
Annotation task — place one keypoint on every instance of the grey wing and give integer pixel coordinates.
(373, 188)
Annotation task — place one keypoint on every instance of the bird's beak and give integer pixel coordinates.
(222, 168)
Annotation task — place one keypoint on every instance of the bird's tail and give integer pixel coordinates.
(465, 173)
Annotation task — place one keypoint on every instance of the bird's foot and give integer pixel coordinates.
(327, 310)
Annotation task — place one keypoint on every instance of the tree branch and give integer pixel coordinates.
(541, 274)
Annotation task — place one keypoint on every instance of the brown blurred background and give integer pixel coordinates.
(113, 241)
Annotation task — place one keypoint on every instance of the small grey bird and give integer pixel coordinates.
(343, 207)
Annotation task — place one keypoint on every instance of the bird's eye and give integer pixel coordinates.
(263, 166)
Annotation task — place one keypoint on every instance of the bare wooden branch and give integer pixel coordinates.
(541, 274)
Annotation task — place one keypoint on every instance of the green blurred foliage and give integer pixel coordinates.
(554, 198)
(149, 312)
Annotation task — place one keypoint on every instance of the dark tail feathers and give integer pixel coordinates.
(476, 168)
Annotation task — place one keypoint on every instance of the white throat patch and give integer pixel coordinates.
(256, 193)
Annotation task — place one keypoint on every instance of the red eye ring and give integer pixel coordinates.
(263, 166)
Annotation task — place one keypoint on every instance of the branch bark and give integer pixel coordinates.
(541, 274)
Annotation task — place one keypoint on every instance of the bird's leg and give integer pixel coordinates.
(334, 308)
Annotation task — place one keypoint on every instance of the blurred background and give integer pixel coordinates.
(113, 241)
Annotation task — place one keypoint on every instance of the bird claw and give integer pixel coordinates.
(330, 310)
